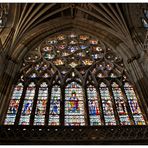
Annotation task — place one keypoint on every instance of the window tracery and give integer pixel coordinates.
(76, 74)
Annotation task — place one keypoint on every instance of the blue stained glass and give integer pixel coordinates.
(73, 48)
(133, 103)
(74, 105)
(41, 105)
(13, 105)
(27, 105)
(145, 23)
(120, 104)
(94, 112)
(83, 46)
(54, 113)
(107, 105)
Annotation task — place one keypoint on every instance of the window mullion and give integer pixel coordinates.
(34, 105)
(100, 106)
(86, 106)
(48, 105)
(62, 109)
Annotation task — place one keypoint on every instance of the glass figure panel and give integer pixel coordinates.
(14, 104)
(133, 103)
(94, 111)
(27, 105)
(120, 104)
(107, 105)
(74, 105)
(40, 111)
(54, 113)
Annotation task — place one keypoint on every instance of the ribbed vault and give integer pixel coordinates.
(114, 24)
(35, 21)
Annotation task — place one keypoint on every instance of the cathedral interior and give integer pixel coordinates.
(74, 73)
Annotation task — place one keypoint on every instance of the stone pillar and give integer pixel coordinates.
(141, 83)
(8, 72)
(144, 61)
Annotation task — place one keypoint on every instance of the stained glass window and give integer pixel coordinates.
(27, 105)
(132, 100)
(54, 114)
(74, 105)
(41, 105)
(120, 104)
(14, 104)
(107, 105)
(66, 59)
(145, 19)
(94, 112)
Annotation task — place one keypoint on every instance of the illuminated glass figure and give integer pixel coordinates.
(73, 102)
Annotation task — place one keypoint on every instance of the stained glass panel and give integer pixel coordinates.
(73, 51)
(107, 105)
(94, 112)
(14, 104)
(27, 105)
(54, 114)
(41, 105)
(132, 100)
(74, 105)
(120, 104)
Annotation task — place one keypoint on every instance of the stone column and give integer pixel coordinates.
(7, 77)
(141, 83)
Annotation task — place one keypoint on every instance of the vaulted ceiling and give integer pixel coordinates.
(116, 24)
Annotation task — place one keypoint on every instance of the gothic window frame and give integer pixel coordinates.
(83, 73)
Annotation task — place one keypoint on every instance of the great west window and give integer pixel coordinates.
(73, 79)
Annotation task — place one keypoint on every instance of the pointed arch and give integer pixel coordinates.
(73, 75)
(81, 73)
(57, 78)
(89, 79)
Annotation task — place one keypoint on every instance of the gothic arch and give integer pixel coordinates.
(68, 59)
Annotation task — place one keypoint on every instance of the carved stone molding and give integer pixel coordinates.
(74, 135)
